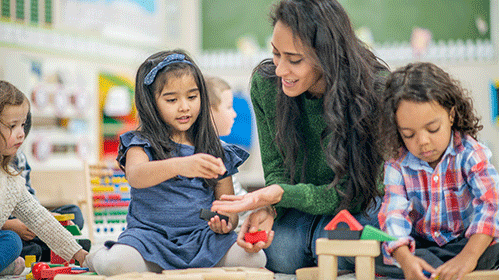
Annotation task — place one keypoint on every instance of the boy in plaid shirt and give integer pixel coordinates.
(441, 191)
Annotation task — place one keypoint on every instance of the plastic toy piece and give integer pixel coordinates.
(364, 252)
(65, 223)
(254, 237)
(56, 259)
(73, 229)
(345, 217)
(65, 217)
(37, 269)
(206, 215)
(50, 273)
(344, 234)
(29, 260)
(372, 233)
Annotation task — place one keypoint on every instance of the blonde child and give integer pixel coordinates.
(14, 197)
(221, 100)
(441, 191)
(176, 165)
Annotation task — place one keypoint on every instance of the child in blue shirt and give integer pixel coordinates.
(176, 166)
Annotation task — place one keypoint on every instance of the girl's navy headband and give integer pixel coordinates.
(172, 58)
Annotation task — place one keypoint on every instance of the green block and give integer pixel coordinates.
(372, 233)
(73, 229)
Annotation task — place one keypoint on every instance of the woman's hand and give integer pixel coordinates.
(260, 219)
(250, 201)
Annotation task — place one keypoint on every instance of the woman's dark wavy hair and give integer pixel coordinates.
(151, 125)
(424, 82)
(351, 99)
(11, 96)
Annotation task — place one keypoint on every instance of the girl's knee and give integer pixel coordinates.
(237, 256)
(118, 259)
(11, 240)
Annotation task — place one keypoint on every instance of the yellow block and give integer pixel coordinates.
(29, 259)
(64, 217)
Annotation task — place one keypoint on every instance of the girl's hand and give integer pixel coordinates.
(20, 228)
(80, 256)
(250, 201)
(455, 268)
(220, 226)
(261, 219)
(201, 165)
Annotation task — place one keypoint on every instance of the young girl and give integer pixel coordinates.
(441, 191)
(176, 166)
(14, 197)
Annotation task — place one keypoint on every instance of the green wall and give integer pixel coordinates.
(224, 21)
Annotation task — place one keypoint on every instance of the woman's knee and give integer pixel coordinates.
(287, 260)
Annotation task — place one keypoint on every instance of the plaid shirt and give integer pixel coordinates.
(459, 195)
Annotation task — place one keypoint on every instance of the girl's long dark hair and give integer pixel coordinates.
(151, 125)
(12, 96)
(424, 82)
(351, 99)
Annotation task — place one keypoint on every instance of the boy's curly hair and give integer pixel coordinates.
(424, 82)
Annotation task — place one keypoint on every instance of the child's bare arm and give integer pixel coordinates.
(411, 265)
(466, 261)
(143, 173)
(224, 186)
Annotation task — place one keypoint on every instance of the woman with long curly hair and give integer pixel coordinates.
(316, 105)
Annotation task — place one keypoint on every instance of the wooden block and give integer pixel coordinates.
(364, 268)
(328, 267)
(232, 273)
(348, 248)
(79, 277)
(307, 273)
(482, 275)
(177, 277)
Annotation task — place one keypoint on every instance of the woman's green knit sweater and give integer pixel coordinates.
(313, 196)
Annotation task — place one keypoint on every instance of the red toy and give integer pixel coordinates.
(51, 272)
(56, 259)
(254, 237)
(37, 269)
